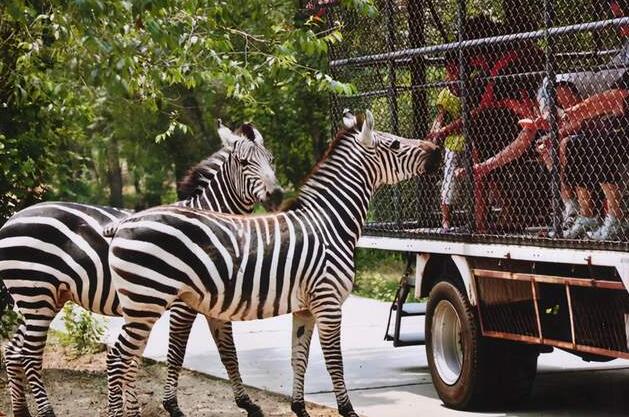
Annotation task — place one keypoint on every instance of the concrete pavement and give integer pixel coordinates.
(386, 381)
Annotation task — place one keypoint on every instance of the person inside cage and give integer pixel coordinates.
(593, 149)
(496, 103)
(448, 110)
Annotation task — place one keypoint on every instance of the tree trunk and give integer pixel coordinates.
(114, 174)
(194, 112)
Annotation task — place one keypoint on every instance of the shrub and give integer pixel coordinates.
(8, 318)
(83, 333)
(8, 323)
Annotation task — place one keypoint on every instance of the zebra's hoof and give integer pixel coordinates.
(299, 408)
(47, 413)
(173, 408)
(347, 410)
(252, 409)
(22, 413)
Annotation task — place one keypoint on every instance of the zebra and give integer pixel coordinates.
(231, 267)
(54, 252)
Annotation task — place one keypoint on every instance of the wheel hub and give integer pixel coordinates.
(446, 342)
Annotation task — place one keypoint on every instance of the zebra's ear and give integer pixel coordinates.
(252, 133)
(227, 136)
(366, 133)
(349, 120)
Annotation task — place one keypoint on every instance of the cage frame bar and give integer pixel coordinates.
(533, 35)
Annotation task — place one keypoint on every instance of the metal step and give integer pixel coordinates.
(408, 338)
(412, 309)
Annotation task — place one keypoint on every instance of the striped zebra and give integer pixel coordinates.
(51, 253)
(229, 267)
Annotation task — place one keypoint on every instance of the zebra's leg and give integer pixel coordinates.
(224, 339)
(37, 323)
(329, 325)
(303, 327)
(181, 320)
(15, 373)
(121, 368)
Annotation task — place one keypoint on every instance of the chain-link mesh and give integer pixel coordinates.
(527, 100)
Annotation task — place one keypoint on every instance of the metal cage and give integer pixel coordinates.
(525, 97)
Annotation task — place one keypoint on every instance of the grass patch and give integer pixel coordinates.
(378, 273)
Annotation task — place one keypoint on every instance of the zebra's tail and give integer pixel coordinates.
(110, 229)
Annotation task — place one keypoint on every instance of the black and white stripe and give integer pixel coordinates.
(244, 268)
(51, 253)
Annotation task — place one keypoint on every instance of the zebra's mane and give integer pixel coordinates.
(342, 133)
(197, 177)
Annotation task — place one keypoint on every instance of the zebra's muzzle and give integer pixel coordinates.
(273, 200)
(432, 161)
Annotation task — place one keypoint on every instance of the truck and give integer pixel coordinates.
(511, 276)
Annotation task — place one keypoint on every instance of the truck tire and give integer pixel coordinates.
(469, 371)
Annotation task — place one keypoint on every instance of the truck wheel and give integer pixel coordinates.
(469, 371)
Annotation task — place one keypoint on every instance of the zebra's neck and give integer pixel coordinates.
(338, 194)
(216, 186)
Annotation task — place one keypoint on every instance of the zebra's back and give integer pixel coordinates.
(55, 251)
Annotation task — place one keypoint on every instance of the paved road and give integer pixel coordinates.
(389, 382)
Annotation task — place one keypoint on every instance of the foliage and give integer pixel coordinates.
(378, 273)
(83, 332)
(9, 320)
(374, 284)
(103, 99)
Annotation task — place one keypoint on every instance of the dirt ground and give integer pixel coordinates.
(78, 388)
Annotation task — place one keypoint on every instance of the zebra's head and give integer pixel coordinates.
(252, 166)
(392, 158)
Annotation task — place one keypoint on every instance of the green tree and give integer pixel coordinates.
(109, 102)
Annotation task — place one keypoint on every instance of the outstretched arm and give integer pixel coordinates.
(440, 133)
(516, 148)
(607, 103)
(610, 102)
(439, 119)
(513, 151)
(435, 135)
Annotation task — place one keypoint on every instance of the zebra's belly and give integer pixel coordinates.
(241, 310)
(57, 293)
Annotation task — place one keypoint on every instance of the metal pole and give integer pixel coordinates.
(391, 66)
(463, 76)
(549, 14)
(392, 96)
(335, 105)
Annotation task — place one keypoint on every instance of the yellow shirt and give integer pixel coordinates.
(451, 104)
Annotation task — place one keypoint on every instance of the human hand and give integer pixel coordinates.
(538, 123)
(436, 136)
(542, 146)
(570, 123)
(479, 170)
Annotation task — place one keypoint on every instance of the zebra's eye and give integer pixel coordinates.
(244, 162)
(395, 145)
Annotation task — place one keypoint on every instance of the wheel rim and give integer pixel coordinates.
(447, 346)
